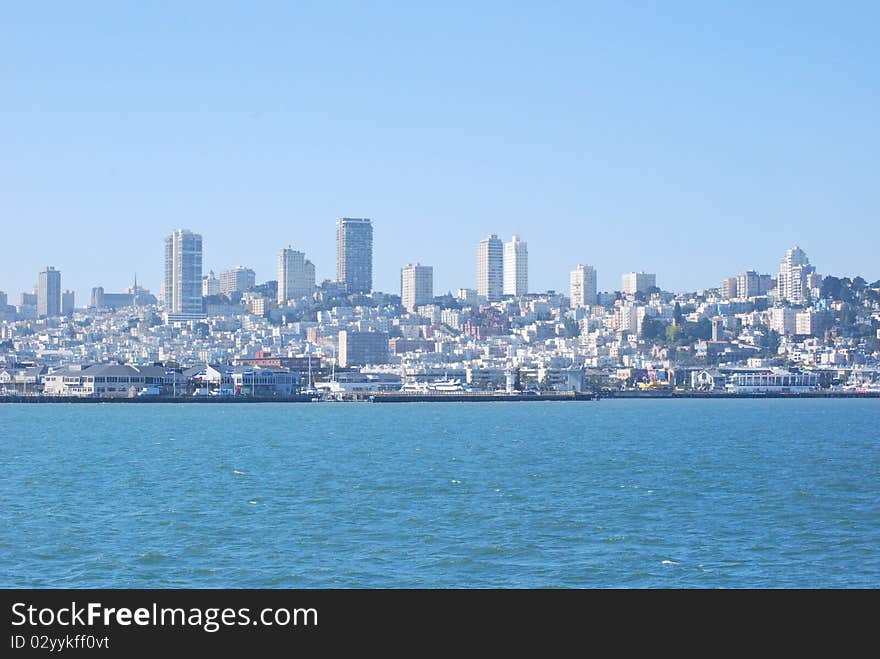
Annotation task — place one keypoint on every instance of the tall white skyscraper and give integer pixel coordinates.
(516, 267)
(416, 285)
(794, 277)
(583, 286)
(296, 275)
(490, 268)
(183, 274)
(49, 293)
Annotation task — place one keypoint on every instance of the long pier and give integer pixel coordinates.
(442, 397)
(475, 397)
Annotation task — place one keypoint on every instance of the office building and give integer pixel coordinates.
(416, 285)
(638, 282)
(490, 268)
(182, 291)
(296, 276)
(516, 267)
(354, 254)
(362, 348)
(582, 286)
(49, 293)
(237, 280)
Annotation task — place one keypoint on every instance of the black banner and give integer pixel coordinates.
(122, 622)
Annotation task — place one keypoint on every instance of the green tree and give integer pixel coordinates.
(653, 328)
(677, 316)
(572, 327)
(770, 341)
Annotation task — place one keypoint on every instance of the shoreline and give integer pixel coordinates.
(472, 397)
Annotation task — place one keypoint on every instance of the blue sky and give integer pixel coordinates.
(694, 140)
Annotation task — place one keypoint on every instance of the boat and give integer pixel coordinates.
(444, 385)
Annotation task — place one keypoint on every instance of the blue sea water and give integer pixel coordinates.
(625, 493)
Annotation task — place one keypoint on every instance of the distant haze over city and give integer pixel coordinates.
(689, 141)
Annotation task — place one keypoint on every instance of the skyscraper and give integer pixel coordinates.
(49, 293)
(183, 274)
(490, 268)
(516, 267)
(354, 254)
(237, 280)
(296, 275)
(583, 286)
(416, 285)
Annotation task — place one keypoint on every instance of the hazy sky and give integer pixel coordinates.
(693, 140)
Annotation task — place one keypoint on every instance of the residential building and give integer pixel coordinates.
(490, 268)
(748, 284)
(182, 291)
(49, 293)
(67, 303)
(638, 282)
(793, 283)
(783, 320)
(210, 285)
(516, 267)
(309, 270)
(810, 322)
(237, 280)
(416, 285)
(354, 254)
(295, 278)
(729, 288)
(582, 286)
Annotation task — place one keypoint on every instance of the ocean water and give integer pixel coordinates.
(625, 493)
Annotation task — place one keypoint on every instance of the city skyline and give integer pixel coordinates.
(795, 260)
(601, 135)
